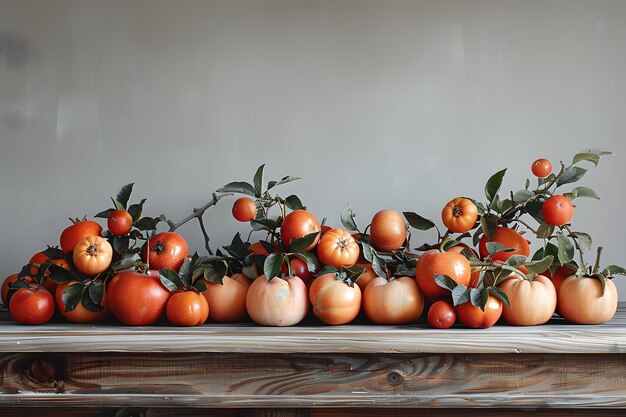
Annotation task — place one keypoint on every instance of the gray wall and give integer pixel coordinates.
(400, 104)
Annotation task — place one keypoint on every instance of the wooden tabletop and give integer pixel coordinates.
(555, 337)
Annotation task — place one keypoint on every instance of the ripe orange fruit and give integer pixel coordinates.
(541, 168)
(244, 209)
(557, 210)
(459, 215)
(454, 265)
(508, 238)
(388, 230)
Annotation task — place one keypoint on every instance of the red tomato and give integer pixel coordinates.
(508, 238)
(92, 255)
(532, 302)
(441, 315)
(557, 210)
(120, 222)
(168, 250)
(5, 287)
(80, 314)
(187, 308)
(459, 215)
(136, 299)
(475, 318)
(454, 265)
(244, 209)
(338, 248)
(278, 302)
(299, 269)
(227, 301)
(541, 168)
(334, 302)
(581, 300)
(33, 305)
(297, 224)
(388, 230)
(77, 232)
(398, 301)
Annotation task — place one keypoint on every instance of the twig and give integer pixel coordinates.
(197, 213)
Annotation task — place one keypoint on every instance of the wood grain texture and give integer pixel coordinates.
(359, 412)
(557, 336)
(313, 380)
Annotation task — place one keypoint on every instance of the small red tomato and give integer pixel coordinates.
(557, 210)
(120, 222)
(541, 168)
(475, 318)
(244, 209)
(441, 315)
(32, 305)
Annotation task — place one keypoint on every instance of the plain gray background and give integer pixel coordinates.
(400, 104)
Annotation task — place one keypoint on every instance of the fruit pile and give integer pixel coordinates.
(478, 269)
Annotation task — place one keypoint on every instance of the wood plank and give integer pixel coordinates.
(311, 337)
(313, 380)
(116, 412)
(342, 412)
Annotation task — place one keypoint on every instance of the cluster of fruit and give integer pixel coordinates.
(138, 274)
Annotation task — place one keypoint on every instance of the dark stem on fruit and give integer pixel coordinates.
(596, 266)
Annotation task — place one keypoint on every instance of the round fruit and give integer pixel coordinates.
(459, 215)
(454, 265)
(398, 301)
(32, 305)
(278, 302)
(557, 210)
(120, 222)
(244, 209)
(187, 308)
(532, 302)
(475, 273)
(38, 258)
(581, 300)
(80, 314)
(388, 230)
(297, 224)
(168, 250)
(508, 238)
(92, 255)
(441, 315)
(6, 287)
(338, 248)
(366, 277)
(541, 168)
(475, 318)
(136, 299)
(77, 232)
(227, 301)
(299, 269)
(334, 302)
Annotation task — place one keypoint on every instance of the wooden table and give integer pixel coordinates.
(110, 370)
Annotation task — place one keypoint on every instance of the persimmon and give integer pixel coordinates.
(459, 215)
(432, 263)
(388, 230)
(244, 209)
(508, 238)
(557, 210)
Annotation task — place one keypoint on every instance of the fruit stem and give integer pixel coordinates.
(583, 265)
(596, 266)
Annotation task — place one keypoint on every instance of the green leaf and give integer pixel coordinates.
(418, 222)
(293, 203)
(60, 275)
(584, 238)
(214, 273)
(495, 247)
(309, 258)
(71, 296)
(302, 243)
(273, 264)
(124, 194)
(379, 265)
(135, 210)
(264, 224)
(534, 209)
(200, 286)
(53, 253)
(470, 255)
(460, 295)
(327, 269)
(500, 295)
(92, 297)
(105, 214)
(527, 184)
(248, 271)
(479, 297)
(586, 156)
(241, 187)
(522, 196)
(545, 230)
(449, 243)
(602, 280)
(566, 249)
(260, 186)
(147, 223)
(445, 281)
(120, 244)
(283, 180)
(570, 175)
(117, 204)
(493, 185)
(582, 192)
(185, 272)
(489, 225)
(347, 219)
(170, 279)
(612, 270)
(237, 248)
(516, 260)
(538, 267)
(126, 262)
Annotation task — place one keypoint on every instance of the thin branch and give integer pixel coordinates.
(205, 234)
